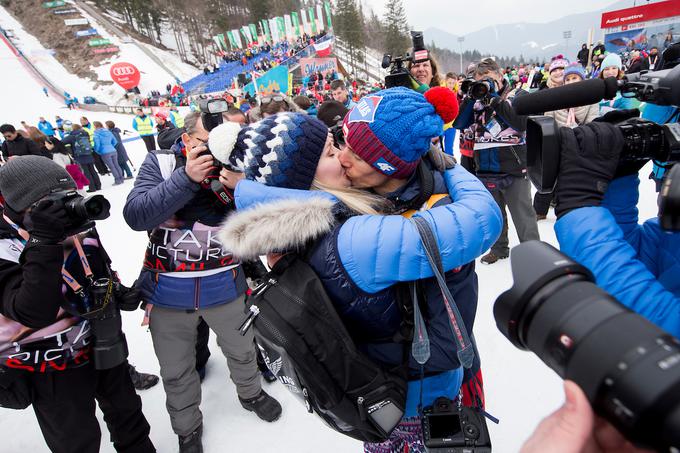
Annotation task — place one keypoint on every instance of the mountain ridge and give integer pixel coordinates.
(533, 41)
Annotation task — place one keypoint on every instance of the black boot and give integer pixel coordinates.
(266, 407)
(192, 443)
(142, 381)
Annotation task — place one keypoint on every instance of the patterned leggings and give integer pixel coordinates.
(407, 437)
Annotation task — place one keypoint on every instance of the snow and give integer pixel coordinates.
(548, 46)
(520, 389)
(153, 76)
(532, 44)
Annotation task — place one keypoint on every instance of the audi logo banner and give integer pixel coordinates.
(125, 74)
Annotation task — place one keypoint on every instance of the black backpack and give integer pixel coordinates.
(82, 145)
(307, 347)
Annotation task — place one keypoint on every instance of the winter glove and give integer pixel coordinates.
(619, 117)
(47, 221)
(589, 159)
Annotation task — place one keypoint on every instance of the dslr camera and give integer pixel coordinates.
(82, 212)
(449, 427)
(628, 367)
(212, 111)
(399, 75)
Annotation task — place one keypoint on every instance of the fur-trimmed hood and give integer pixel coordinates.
(277, 226)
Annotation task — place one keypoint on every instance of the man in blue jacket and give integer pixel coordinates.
(598, 226)
(46, 127)
(187, 276)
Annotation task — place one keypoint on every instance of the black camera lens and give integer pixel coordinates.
(628, 368)
(95, 207)
(479, 90)
(669, 200)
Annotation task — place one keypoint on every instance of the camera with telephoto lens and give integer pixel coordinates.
(449, 427)
(627, 367)
(212, 111)
(479, 90)
(100, 307)
(644, 140)
(82, 211)
(400, 76)
(669, 201)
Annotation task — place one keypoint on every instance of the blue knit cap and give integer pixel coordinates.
(392, 129)
(281, 151)
(575, 68)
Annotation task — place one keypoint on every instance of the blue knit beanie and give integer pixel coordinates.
(280, 151)
(575, 68)
(392, 129)
(612, 59)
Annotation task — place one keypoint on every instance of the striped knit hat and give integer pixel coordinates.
(392, 129)
(281, 151)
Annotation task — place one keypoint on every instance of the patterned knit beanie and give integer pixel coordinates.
(575, 68)
(392, 129)
(281, 151)
(558, 62)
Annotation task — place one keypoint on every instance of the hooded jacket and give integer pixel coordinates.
(361, 259)
(637, 264)
(185, 266)
(20, 146)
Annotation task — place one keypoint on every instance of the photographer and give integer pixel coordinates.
(187, 276)
(494, 134)
(598, 226)
(45, 345)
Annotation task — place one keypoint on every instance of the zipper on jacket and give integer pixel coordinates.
(197, 290)
(245, 325)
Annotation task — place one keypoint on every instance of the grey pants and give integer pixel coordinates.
(174, 340)
(517, 197)
(111, 161)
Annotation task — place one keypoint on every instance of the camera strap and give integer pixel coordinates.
(465, 350)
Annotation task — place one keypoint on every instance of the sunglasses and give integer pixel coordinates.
(268, 99)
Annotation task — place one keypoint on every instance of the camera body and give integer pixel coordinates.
(81, 211)
(451, 428)
(400, 76)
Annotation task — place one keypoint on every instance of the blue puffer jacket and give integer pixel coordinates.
(661, 114)
(361, 260)
(637, 264)
(155, 200)
(104, 141)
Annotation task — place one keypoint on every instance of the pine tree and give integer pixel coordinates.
(396, 28)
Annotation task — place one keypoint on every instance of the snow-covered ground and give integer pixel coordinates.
(153, 77)
(520, 390)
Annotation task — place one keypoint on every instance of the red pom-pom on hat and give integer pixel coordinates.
(444, 101)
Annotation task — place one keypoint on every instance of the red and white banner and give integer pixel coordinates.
(645, 13)
(125, 74)
(323, 49)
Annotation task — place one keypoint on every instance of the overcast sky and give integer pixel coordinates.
(460, 17)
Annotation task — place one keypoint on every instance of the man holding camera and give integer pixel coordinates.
(494, 134)
(188, 276)
(48, 273)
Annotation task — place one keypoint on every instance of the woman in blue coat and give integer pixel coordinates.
(105, 145)
(360, 258)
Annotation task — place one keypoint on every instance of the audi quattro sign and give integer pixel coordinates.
(125, 74)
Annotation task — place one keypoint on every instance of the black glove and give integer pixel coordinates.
(47, 221)
(128, 299)
(589, 159)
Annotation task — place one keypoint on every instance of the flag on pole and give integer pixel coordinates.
(319, 17)
(217, 42)
(253, 32)
(281, 28)
(312, 20)
(289, 27)
(305, 22)
(265, 28)
(237, 37)
(323, 49)
(296, 23)
(327, 7)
